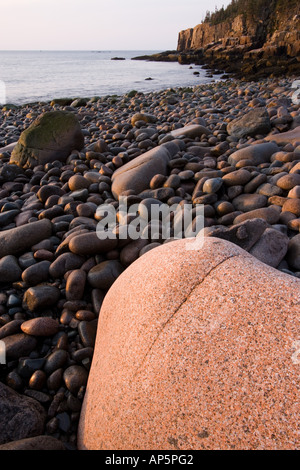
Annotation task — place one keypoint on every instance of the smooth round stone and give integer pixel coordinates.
(19, 345)
(197, 321)
(75, 285)
(11, 328)
(55, 360)
(27, 260)
(41, 326)
(18, 239)
(87, 331)
(37, 380)
(75, 377)
(224, 207)
(173, 182)
(103, 275)
(269, 214)
(36, 273)
(212, 185)
(84, 315)
(287, 182)
(10, 270)
(65, 262)
(293, 254)
(292, 205)
(85, 210)
(55, 379)
(148, 209)
(157, 181)
(294, 192)
(257, 154)
(238, 177)
(91, 244)
(78, 182)
(41, 296)
(249, 202)
(49, 190)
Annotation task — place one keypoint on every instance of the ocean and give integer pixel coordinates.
(29, 76)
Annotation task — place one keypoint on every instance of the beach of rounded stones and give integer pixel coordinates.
(231, 146)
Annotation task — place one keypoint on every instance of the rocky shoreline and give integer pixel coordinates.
(233, 146)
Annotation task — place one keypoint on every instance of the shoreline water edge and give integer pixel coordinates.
(231, 146)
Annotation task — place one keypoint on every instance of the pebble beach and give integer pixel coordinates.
(233, 146)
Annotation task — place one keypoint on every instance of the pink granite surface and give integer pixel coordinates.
(196, 350)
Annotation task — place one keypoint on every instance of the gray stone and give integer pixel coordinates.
(245, 234)
(293, 254)
(269, 214)
(271, 247)
(18, 239)
(254, 122)
(249, 202)
(36, 273)
(52, 136)
(257, 154)
(19, 345)
(21, 417)
(41, 296)
(10, 270)
(75, 377)
(103, 275)
(137, 174)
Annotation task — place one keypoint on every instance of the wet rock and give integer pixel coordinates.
(41, 296)
(10, 270)
(19, 345)
(41, 326)
(19, 239)
(75, 377)
(103, 275)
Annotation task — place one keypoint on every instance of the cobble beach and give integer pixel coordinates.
(232, 146)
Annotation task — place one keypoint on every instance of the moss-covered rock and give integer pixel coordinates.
(52, 136)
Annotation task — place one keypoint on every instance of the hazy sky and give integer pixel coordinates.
(98, 24)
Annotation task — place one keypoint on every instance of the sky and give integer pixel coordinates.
(97, 24)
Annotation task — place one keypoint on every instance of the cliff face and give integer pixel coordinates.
(271, 27)
(261, 45)
(202, 35)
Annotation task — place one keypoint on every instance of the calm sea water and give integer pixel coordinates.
(41, 75)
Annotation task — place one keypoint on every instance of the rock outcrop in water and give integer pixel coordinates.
(252, 38)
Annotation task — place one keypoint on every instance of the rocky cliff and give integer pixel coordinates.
(261, 44)
(256, 39)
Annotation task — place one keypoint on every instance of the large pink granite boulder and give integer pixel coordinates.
(196, 349)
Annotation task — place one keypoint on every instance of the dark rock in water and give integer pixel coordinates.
(118, 58)
(52, 136)
(20, 238)
(21, 417)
